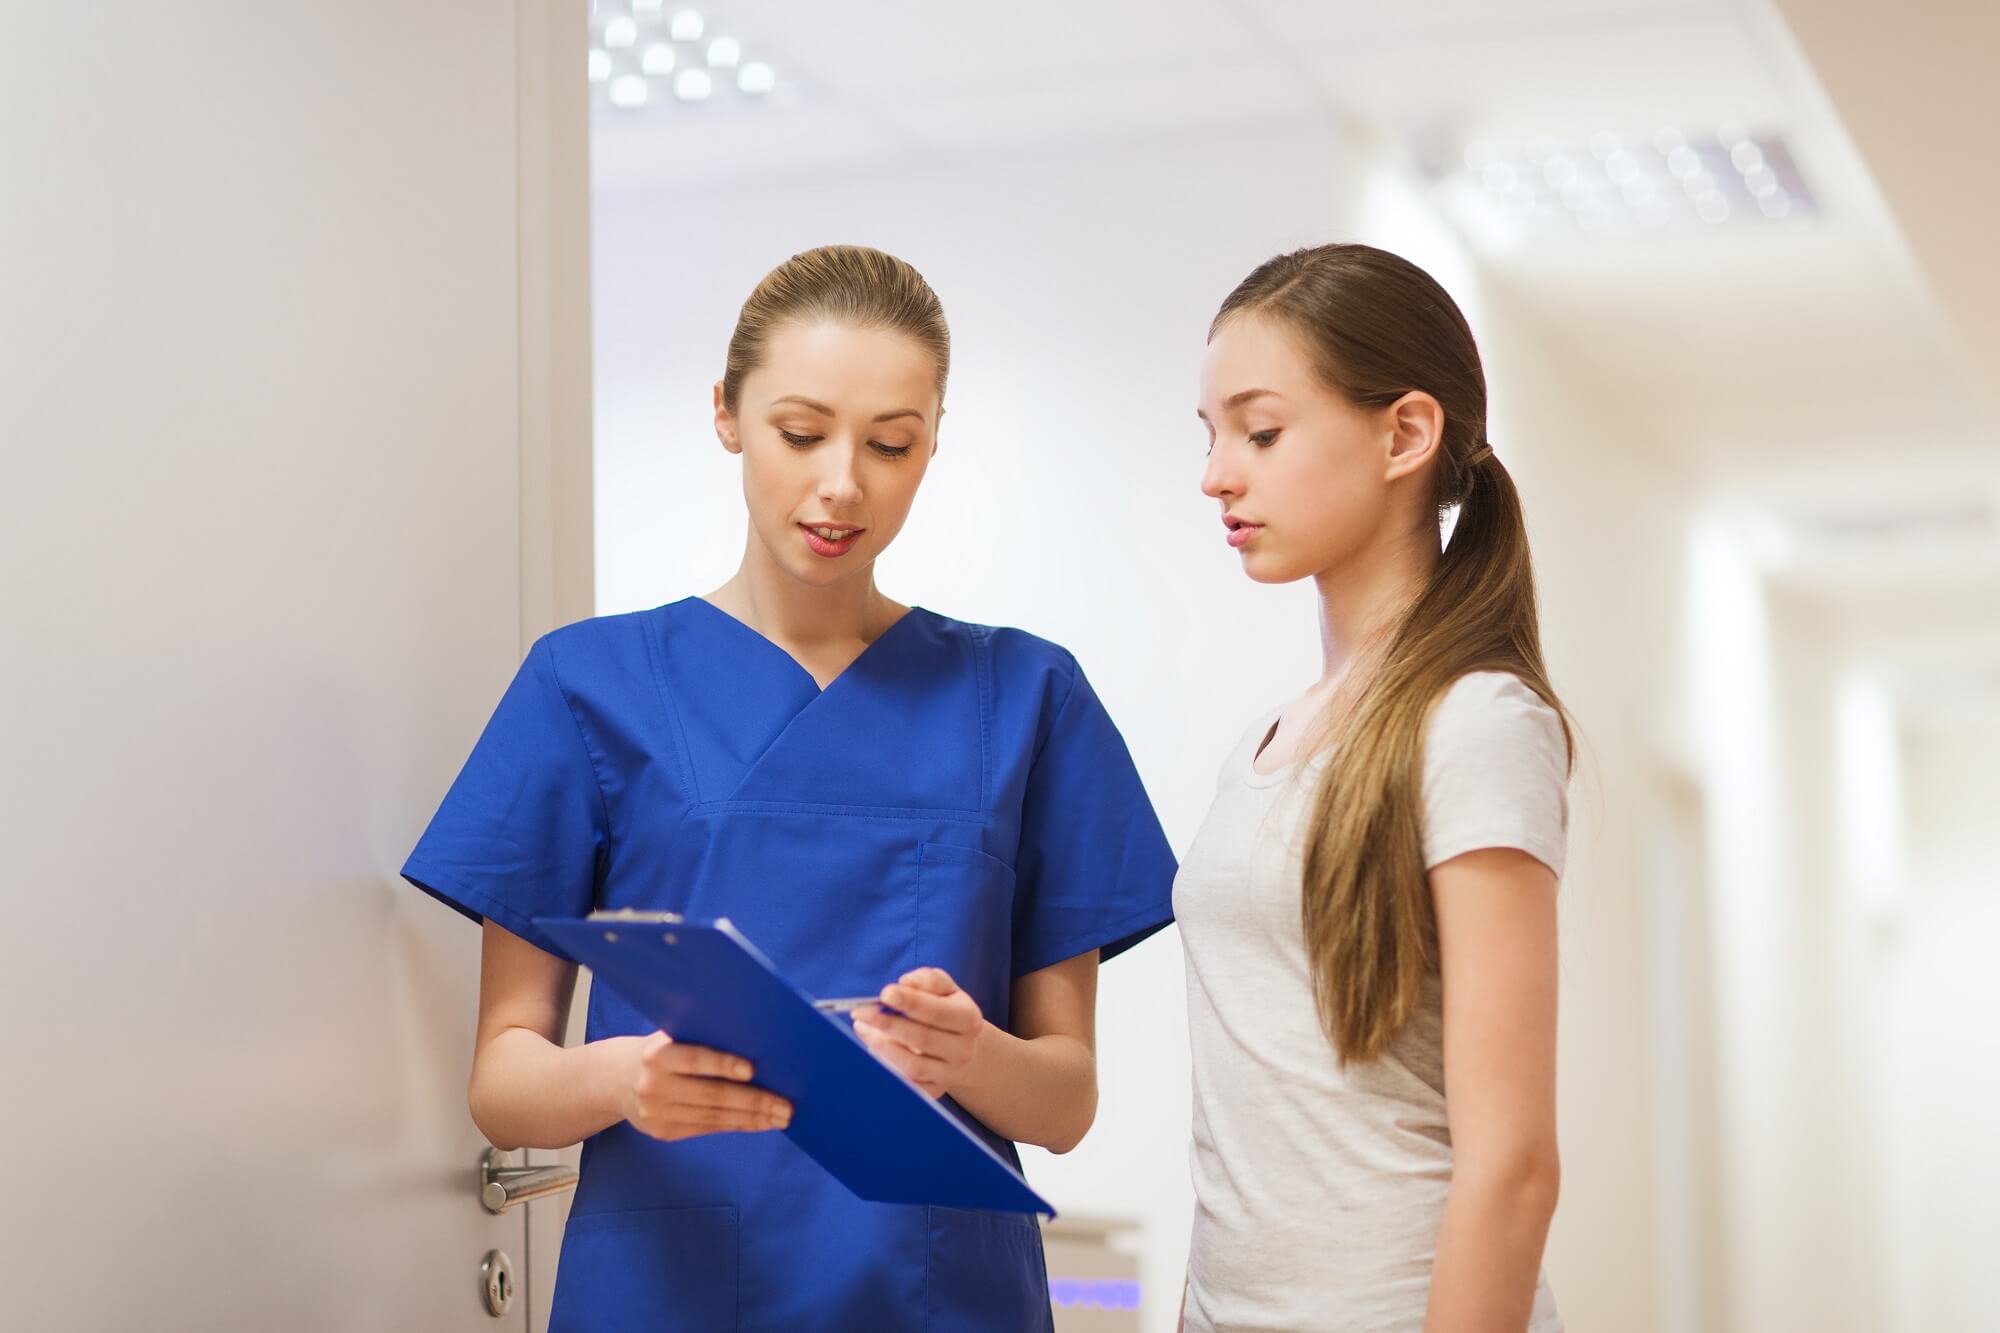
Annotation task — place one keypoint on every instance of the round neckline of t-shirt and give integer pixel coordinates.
(1259, 731)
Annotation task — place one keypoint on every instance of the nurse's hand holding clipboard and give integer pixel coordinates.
(678, 1091)
(926, 1029)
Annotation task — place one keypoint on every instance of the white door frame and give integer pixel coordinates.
(557, 531)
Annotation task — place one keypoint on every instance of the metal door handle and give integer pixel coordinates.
(503, 1184)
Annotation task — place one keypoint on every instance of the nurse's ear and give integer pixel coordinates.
(937, 436)
(725, 423)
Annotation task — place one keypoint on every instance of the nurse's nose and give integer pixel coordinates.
(840, 483)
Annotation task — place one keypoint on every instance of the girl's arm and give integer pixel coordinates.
(1036, 1084)
(530, 1091)
(1496, 915)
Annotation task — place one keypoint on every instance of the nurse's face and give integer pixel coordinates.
(1301, 473)
(836, 428)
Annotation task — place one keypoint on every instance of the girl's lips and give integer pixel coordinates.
(1239, 535)
(822, 547)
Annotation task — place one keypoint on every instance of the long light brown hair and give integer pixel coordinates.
(841, 284)
(1378, 327)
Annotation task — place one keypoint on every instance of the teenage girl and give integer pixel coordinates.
(1369, 909)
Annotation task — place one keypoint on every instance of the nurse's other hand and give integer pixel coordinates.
(931, 1036)
(679, 1091)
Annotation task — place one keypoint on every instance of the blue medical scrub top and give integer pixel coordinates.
(957, 798)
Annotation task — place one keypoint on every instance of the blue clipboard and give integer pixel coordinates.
(872, 1129)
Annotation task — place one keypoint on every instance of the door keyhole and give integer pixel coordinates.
(496, 1277)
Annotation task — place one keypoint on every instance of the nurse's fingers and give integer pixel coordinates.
(930, 1081)
(935, 980)
(668, 1114)
(897, 1051)
(956, 1012)
(696, 1121)
(712, 1095)
(698, 1061)
(921, 1070)
(919, 1038)
(708, 1120)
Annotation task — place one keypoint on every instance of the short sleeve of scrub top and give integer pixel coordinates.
(1092, 858)
(520, 833)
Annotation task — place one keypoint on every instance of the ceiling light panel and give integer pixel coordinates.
(647, 57)
(1623, 184)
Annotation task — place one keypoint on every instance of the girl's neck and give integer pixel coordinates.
(781, 608)
(1362, 600)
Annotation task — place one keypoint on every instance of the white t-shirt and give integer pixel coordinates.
(1319, 1190)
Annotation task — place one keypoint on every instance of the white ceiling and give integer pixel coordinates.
(897, 76)
(1760, 354)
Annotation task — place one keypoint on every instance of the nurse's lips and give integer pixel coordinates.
(1240, 530)
(846, 534)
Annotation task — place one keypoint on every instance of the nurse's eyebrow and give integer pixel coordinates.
(825, 411)
(1238, 399)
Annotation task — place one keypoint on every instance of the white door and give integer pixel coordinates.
(293, 461)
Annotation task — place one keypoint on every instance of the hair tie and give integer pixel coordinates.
(1483, 454)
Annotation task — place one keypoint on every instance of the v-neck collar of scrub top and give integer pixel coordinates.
(775, 647)
(759, 730)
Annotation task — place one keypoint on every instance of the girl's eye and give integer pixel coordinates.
(1264, 439)
(798, 441)
(889, 450)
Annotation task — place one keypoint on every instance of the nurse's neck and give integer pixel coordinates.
(823, 626)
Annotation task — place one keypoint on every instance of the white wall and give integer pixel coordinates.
(1813, 1207)
(1079, 285)
(1939, 1074)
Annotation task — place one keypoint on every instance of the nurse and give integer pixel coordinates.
(883, 799)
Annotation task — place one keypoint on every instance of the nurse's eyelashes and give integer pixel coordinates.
(808, 441)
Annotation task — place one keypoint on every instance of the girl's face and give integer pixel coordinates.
(1306, 479)
(836, 428)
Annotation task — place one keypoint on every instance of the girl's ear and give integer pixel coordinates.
(725, 424)
(1416, 429)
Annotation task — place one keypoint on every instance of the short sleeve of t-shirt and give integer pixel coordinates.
(1095, 870)
(1496, 772)
(521, 831)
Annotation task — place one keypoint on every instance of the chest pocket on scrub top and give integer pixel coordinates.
(965, 921)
